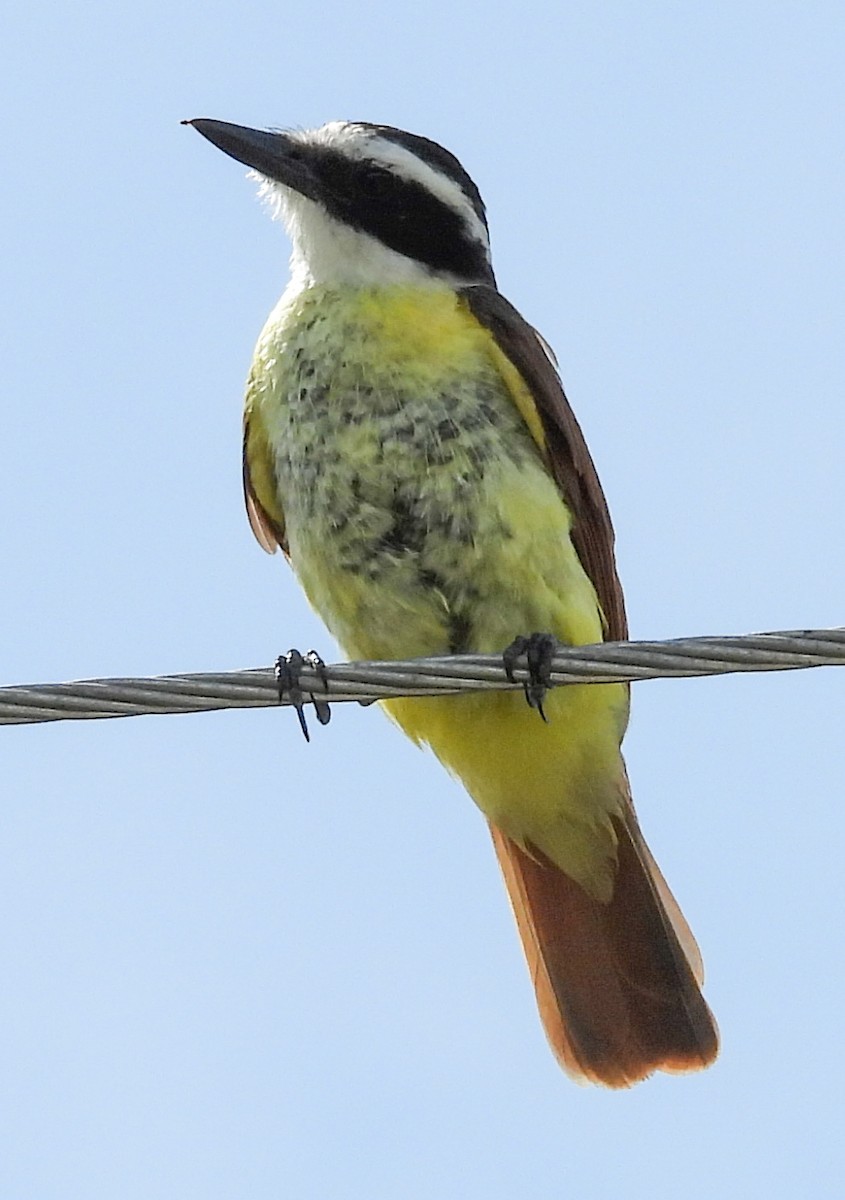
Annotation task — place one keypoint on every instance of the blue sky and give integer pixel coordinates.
(238, 966)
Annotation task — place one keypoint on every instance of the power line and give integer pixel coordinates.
(368, 681)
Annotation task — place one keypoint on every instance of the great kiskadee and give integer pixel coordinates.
(408, 445)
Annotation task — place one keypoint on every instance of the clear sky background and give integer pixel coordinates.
(235, 966)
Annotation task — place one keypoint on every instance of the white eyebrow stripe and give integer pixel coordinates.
(362, 143)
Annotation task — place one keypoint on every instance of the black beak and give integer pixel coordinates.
(275, 155)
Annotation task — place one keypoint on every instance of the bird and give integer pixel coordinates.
(409, 446)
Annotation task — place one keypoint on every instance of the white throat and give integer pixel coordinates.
(325, 251)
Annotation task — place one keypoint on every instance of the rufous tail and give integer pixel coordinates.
(618, 983)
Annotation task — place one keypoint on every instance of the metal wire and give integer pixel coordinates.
(369, 681)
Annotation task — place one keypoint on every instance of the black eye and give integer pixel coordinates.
(377, 183)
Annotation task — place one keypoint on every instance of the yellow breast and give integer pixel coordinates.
(407, 457)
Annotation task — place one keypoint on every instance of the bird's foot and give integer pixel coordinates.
(538, 649)
(288, 669)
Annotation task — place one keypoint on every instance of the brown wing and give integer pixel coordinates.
(569, 458)
(617, 984)
(260, 494)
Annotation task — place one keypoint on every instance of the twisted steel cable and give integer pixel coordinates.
(368, 681)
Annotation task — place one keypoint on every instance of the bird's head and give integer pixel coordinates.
(366, 204)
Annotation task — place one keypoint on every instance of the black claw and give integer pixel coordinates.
(512, 655)
(288, 670)
(538, 649)
(321, 707)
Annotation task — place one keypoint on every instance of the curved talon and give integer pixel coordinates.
(288, 669)
(538, 649)
(321, 707)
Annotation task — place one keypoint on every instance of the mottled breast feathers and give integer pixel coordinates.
(535, 387)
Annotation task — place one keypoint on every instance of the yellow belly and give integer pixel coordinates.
(421, 518)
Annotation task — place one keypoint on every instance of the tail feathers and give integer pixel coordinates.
(617, 984)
